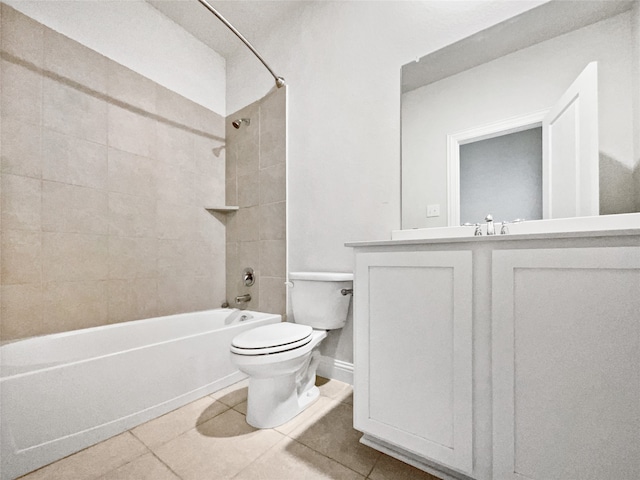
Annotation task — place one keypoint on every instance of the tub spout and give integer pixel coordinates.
(243, 298)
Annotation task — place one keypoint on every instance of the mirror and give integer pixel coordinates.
(506, 79)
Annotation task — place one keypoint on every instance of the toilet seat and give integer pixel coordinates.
(275, 338)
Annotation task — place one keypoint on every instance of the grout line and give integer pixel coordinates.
(163, 463)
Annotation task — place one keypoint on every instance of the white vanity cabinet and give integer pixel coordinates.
(501, 359)
(566, 364)
(413, 352)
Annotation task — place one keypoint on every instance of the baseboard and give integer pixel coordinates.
(336, 369)
(406, 457)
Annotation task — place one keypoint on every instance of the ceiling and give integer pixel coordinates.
(252, 18)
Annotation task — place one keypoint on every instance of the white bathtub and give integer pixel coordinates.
(61, 393)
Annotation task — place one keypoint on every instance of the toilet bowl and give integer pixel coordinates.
(281, 359)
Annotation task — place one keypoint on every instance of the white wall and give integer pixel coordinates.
(496, 90)
(138, 36)
(342, 63)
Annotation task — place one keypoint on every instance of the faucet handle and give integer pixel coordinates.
(504, 230)
(478, 232)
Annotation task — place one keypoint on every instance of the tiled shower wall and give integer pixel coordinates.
(256, 182)
(104, 178)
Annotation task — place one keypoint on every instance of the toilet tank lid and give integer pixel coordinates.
(322, 276)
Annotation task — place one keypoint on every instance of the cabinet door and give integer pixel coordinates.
(413, 352)
(566, 363)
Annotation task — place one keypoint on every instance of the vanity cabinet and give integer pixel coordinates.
(566, 364)
(499, 359)
(413, 352)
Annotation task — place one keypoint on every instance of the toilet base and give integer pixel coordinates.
(266, 407)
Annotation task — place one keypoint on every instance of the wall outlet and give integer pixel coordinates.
(433, 210)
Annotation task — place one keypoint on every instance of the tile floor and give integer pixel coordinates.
(209, 439)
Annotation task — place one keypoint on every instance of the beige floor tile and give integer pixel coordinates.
(333, 435)
(388, 468)
(241, 407)
(309, 416)
(335, 389)
(290, 460)
(233, 394)
(147, 467)
(217, 449)
(94, 461)
(167, 427)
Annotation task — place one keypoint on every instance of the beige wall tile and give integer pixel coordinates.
(249, 190)
(249, 256)
(273, 128)
(173, 106)
(273, 221)
(175, 185)
(231, 191)
(21, 93)
(69, 208)
(132, 174)
(132, 299)
(273, 258)
(21, 152)
(21, 257)
(125, 85)
(74, 62)
(74, 305)
(273, 184)
(273, 295)
(71, 160)
(131, 215)
(131, 132)
(69, 257)
(95, 461)
(248, 226)
(176, 221)
(174, 257)
(211, 227)
(74, 112)
(21, 311)
(21, 202)
(232, 267)
(207, 121)
(176, 147)
(21, 36)
(174, 294)
(133, 257)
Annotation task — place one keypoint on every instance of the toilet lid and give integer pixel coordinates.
(278, 337)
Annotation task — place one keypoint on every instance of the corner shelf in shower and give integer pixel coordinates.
(223, 209)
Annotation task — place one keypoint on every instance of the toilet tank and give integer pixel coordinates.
(317, 301)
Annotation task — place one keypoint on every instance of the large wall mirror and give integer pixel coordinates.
(536, 117)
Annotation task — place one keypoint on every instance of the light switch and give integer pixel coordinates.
(433, 210)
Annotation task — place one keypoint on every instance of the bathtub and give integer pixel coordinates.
(64, 392)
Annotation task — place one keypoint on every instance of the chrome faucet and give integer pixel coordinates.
(490, 228)
(243, 298)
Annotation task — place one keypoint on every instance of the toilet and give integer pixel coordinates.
(281, 359)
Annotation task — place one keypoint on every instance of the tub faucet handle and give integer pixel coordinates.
(490, 228)
(505, 229)
(478, 231)
(243, 298)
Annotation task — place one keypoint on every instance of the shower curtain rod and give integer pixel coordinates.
(279, 80)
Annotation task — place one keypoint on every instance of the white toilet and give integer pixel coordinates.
(281, 359)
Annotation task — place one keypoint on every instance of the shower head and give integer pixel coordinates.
(238, 123)
(218, 150)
